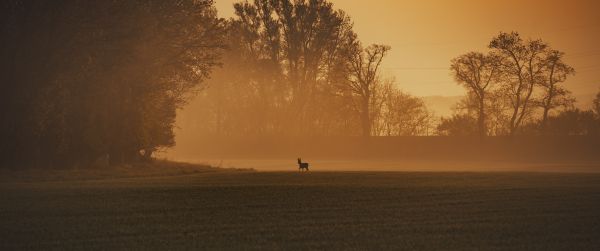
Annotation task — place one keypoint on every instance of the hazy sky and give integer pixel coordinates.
(425, 35)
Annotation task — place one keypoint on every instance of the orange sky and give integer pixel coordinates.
(425, 35)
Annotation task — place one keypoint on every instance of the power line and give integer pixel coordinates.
(417, 68)
(583, 54)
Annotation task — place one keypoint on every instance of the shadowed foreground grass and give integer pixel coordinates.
(324, 210)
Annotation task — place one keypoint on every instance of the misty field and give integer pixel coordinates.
(290, 210)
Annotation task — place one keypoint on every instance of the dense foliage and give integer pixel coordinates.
(87, 81)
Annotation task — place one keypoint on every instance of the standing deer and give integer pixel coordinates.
(302, 165)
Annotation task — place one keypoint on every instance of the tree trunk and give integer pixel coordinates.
(481, 118)
(516, 106)
(545, 119)
(365, 119)
(148, 154)
(547, 104)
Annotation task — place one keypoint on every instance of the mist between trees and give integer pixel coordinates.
(88, 82)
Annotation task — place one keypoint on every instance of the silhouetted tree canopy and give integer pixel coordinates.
(478, 73)
(86, 80)
(299, 70)
(509, 85)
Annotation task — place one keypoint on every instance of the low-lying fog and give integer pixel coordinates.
(393, 165)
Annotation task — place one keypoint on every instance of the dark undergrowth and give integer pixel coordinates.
(155, 168)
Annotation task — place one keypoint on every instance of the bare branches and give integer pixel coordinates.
(517, 76)
(363, 80)
(477, 72)
(522, 66)
(554, 95)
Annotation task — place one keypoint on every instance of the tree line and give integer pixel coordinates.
(517, 88)
(297, 68)
(84, 81)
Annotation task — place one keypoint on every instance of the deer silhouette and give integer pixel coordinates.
(302, 165)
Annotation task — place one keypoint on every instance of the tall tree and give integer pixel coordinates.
(478, 73)
(364, 80)
(523, 64)
(555, 95)
(302, 39)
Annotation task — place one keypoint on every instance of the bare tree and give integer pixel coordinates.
(477, 72)
(404, 115)
(555, 95)
(522, 66)
(364, 66)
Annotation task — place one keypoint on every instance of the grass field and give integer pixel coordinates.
(315, 210)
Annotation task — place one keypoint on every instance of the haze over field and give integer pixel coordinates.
(423, 55)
